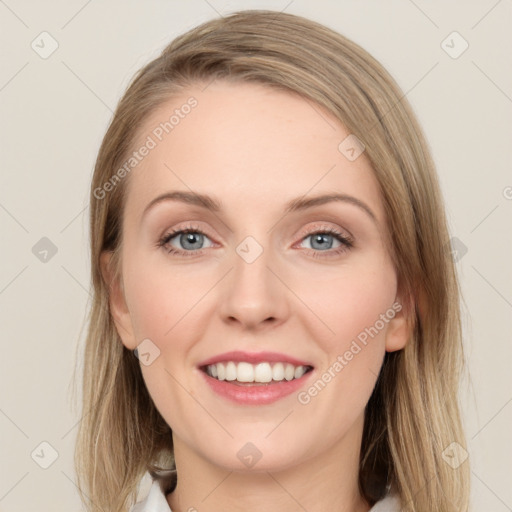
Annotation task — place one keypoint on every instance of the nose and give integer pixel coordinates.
(253, 297)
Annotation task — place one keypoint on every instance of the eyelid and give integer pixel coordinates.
(322, 227)
(187, 226)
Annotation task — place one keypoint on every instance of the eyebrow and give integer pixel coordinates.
(299, 204)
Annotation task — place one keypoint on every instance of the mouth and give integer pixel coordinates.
(255, 378)
(243, 373)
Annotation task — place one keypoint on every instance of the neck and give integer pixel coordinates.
(327, 481)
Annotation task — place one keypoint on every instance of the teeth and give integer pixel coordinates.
(231, 371)
(278, 371)
(289, 372)
(244, 372)
(262, 372)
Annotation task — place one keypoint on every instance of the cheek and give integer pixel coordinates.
(351, 306)
(161, 299)
(348, 300)
(165, 306)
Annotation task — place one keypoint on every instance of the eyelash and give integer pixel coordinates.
(346, 242)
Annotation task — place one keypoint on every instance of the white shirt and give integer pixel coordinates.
(156, 499)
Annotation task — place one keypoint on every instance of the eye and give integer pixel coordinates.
(185, 242)
(329, 241)
(191, 240)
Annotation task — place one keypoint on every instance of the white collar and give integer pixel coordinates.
(156, 500)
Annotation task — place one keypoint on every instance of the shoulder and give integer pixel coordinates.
(156, 500)
(390, 503)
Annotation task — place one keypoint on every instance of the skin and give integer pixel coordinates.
(254, 149)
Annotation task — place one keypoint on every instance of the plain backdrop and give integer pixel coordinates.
(54, 112)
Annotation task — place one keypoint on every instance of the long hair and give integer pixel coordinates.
(413, 414)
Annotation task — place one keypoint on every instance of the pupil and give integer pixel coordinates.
(321, 239)
(194, 239)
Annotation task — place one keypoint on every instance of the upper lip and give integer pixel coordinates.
(253, 358)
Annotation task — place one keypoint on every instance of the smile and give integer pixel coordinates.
(243, 372)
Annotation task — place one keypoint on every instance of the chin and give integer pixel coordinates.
(255, 456)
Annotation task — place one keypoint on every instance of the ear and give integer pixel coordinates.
(117, 302)
(400, 327)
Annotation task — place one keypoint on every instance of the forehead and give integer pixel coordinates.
(244, 143)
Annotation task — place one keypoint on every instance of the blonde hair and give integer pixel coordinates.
(413, 413)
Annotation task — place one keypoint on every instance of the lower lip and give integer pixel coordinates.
(255, 394)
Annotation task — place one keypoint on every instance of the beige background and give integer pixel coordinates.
(54, 112)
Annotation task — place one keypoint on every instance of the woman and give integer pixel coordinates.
(275, 321)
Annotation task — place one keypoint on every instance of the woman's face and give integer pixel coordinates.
(271, 273)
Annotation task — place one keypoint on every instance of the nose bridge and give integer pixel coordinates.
(253, 294)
